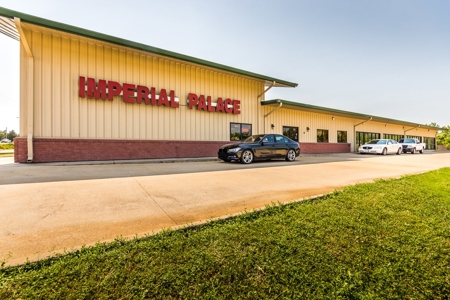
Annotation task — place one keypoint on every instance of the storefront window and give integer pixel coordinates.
(364, 137)
(395, 137)
(431, 143)
(414, 137)
(291, 132)
(240, 131)
(342, 136)
(322, 136)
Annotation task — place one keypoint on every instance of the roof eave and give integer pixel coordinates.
(337, 112)
(119, 41)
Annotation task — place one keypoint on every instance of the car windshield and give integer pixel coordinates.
(406, 141)
(253, 139)
(378, 142)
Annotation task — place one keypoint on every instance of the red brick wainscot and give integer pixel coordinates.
(58, 150)
(316, 148)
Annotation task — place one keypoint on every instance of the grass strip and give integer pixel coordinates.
(384, 240)
(9, 146)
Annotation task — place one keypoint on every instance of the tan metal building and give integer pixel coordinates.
(91, 96)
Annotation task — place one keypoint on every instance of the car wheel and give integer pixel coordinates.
(290, 156)
(247, 157)
(384, 151)
(421, 151)
(413, 151)
(399, 151)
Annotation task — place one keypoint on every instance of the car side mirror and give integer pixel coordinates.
(262, 143)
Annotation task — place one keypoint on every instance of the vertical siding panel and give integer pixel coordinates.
(92, 105)
(37, 45)
(83, 109)
(174, 118)
(134, 108)
(142, 80)
(193, 112)
(115, 110)
(66, 91)
(108, 105)
(181, 86)
(168, 121)
(188, 89)
(74, 99)
(99, 104)
(122, 78)
(155, 79)
(129, 107)
(56, 86)
(46, 83)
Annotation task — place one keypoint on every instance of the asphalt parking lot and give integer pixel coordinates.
(49, 208)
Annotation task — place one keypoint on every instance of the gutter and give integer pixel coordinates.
(30, 90)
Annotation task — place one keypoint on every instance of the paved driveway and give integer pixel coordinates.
(46, 208)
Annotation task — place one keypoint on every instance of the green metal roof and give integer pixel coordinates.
(341, 113)
(115, 40)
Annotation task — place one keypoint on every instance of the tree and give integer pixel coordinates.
(11, 135)
(443, 137)
(2, 134)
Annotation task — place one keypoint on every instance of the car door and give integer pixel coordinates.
(390, 147)
(266, 147)
(281, 146)
(395, 146)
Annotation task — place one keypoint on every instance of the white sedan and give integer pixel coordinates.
(381, 146)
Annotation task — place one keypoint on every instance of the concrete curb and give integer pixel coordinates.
(7, 151)
(132, 161)
(152, 161)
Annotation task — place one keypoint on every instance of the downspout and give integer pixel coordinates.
(30, 90)
(404, 133)
(354, 129)
(257, 98)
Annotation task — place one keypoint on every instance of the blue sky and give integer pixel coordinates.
(384, 58)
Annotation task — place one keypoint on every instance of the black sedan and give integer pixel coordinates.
(260, 147)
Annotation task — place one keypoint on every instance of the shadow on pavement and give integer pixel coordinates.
(37, 173)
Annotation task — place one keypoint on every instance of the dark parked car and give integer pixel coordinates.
(260, 147)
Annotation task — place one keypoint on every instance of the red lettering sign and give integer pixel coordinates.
(88, 87)
(205, 103)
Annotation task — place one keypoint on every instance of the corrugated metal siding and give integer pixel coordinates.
(59, 113)
(302, 119)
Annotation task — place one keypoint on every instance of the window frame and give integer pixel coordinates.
(289, 127)
(240, 131)
(427, 140)
(395, 137)
(346, 136)
(369, 135)
(323, 131)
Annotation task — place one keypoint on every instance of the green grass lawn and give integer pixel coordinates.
(384, 240)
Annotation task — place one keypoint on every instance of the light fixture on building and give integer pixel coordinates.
(332, 118)
(273, 126)
(307, 128)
